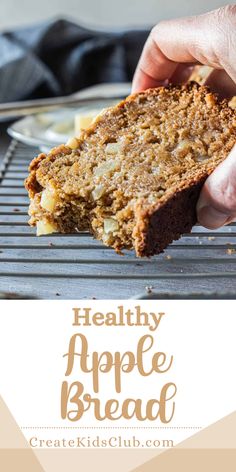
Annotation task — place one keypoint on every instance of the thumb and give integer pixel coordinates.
(217, 202)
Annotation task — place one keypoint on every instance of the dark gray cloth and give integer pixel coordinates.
(60, 57)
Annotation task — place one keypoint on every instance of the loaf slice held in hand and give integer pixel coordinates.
(133, 178)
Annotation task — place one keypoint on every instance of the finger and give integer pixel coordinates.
(220, 82)
(166, 47)
(154, 69)
(182, 74)
(198, 39)
(217, 203)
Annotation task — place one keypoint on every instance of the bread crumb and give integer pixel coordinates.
(232, 103)
(231, 251)
(149, 289)
(210, 100)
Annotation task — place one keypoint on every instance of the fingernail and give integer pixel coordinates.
(211, 218)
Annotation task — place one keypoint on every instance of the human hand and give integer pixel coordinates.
(171, 51)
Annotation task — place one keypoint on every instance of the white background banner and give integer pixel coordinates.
(192, 342)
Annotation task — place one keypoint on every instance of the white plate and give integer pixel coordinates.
(46, 130)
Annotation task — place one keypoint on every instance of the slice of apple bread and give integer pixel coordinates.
(133, 178)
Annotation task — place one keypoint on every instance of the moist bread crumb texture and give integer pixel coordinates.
(133, 178)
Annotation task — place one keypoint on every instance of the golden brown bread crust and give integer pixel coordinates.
(31, 182)
(158, 227)
(154, 224)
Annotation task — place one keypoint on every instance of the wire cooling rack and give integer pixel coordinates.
(200, 265)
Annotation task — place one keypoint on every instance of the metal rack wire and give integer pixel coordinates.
(200, 265)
